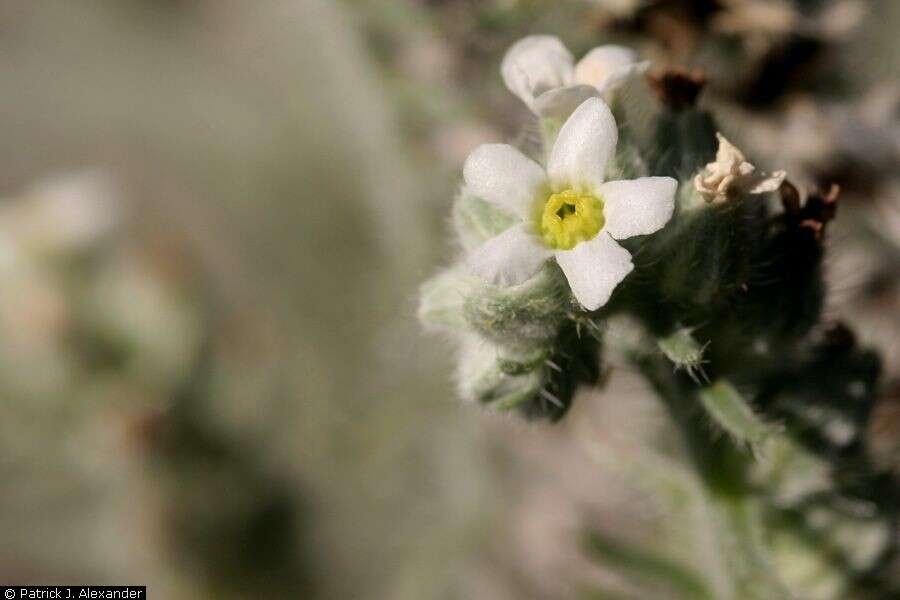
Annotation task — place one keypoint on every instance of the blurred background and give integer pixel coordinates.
(215, 216)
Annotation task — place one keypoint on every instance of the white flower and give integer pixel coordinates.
(567, 212)
(541, 71)
(66, 213)
(731, 174)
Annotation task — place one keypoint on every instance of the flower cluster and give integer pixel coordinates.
(566, 211)
(659, 243)
(542, 72)
(637, 228)
(543, 241)
(664, 224)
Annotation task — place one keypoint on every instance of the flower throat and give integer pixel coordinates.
(570, 217)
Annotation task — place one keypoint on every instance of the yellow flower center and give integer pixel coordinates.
(570, 217)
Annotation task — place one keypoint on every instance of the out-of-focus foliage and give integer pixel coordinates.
(211, 381)
(215, 215)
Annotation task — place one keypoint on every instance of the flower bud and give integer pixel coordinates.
(530, 312)
(441, 300)
(481, 376)
(683, 350)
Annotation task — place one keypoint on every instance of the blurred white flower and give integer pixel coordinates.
(567, 212)
(63, 214)
(838, 19)
(757, 17)
(731, 173)
(761, 24)
(541, 71)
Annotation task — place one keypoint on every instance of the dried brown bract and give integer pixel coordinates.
(820, 208)
(678, 87)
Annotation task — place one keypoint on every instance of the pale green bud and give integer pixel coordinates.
(683, 350)
(442, 297)
(530, 312)
(483, 376)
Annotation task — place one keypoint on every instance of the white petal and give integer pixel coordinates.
(594, 269)
(561, 103)
(585, 144)
(639, 206)
(510, 258)
(598, 65)
(536, 64)
(501, 175)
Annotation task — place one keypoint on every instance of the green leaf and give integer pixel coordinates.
(731, 412)
(647, 566)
